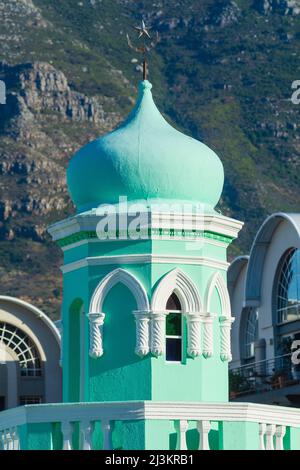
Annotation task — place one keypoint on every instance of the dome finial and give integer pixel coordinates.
(147, 45)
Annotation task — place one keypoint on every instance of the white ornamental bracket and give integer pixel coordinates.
(208, 335)
(96, 321)
(194, 334)
(225, 329)
(142, 320)
(158, 333)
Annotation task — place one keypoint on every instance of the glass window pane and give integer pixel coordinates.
(173, 326)
(173, 349)
(173, 303)
(251, 332)
(288, 289)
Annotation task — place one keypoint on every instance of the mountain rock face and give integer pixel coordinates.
(284, 7)
(222, 72)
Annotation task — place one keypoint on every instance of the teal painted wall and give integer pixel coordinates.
(120, 374)
(239, 436)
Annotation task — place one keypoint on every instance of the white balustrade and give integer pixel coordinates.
(271, 428)
(67, 432)
(107, 434)
(203, 428)
(181, 427)
(86, 428)
(9, 439)
(83, 417)
(279, 434)
(262, 433)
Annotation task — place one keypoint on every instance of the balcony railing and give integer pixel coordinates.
(89, 426)
(263, 376)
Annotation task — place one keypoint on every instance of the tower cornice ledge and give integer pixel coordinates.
(161, 225)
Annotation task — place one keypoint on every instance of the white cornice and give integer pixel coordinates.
(214, 222)
(144, 259)
(142, 410)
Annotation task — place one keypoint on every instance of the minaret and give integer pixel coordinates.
(146, 313)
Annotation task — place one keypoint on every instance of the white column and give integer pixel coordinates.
(262, 433)
(86, 428)
(158, 333)
(225, 329)
(271, 428)
(279, 434)
(96, 321)
(67, 431)
(203, 429)
(181, 427)
(142, 320)
(106, 429)
(194, 334)
(208, 337)
(60, 328)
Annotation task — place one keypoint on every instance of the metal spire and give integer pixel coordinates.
(147, 45)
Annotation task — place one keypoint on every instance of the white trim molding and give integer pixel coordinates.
(113, 278)
(144, 259)
(96, 321)
(210, 222)
(177, 281)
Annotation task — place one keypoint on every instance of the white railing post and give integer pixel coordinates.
(2, 440)
(279, 433)
(271, 428)
(9, 439)
(181, 427)
(203, 428)
(67, 431)
(107, 435)
(262, 433)
(86, 428)
(15, 438)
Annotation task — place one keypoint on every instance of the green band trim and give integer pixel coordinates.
(170, 233)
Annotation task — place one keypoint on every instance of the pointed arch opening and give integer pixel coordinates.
(110, 280)
(217, 282)
(177, 282)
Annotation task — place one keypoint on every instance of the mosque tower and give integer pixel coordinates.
(146, 312)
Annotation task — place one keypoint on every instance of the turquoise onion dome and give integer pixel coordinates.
(144, 159)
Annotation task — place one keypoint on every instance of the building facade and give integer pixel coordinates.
(29, 355)
(265, 298)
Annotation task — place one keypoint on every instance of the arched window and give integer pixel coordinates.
(288, 287)
(250, 332)
(173, 329)
(24, 348)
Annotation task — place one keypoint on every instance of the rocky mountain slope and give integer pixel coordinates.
(222, 72)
